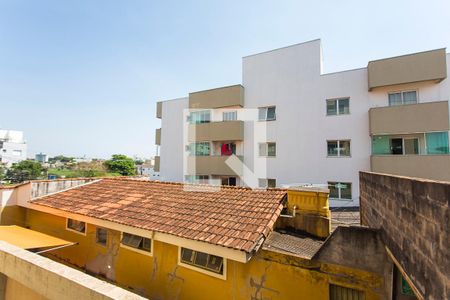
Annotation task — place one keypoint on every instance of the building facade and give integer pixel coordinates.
(13, 147)
(317, 129)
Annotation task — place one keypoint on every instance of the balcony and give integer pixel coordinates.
(159, 110)
(217, 131)
(158, 136)
(423, 66)
(411, 118)
(157, 164)
(435, 167)
(216, 98)
(211, 165)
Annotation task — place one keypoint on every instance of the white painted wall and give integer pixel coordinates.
(13, 148)
(172, 147)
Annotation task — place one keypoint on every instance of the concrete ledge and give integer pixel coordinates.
(53, 280)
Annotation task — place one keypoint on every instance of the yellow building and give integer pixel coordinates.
(175, 241)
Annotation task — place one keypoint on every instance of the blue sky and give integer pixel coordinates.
(82, 77)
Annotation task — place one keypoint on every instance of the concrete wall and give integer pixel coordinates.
(413, 118)
(435, 167)
(423, 66)
(412, 216)
(32, 277)
(44, 187)
(219, 97)
(358, 247)
(268, 275)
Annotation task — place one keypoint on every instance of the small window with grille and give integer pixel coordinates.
(343, 293)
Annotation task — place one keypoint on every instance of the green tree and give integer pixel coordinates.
(121, 164)
(2, 172)
(23, 171)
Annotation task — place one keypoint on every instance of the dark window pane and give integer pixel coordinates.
(146, 244)
(271, 149)
(331, 107)
(344, 106)
(332, 148)
(101, 236)
(271, 113)
(187, 255)
(344, 148)
(215, 263)
(346, 190)
(334, 192)
(201, 259)
(395, 99)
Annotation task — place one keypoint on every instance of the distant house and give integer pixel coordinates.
(13, 147)
(41, 157)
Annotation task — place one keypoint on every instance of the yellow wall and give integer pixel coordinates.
(268, 275)
(17, 291)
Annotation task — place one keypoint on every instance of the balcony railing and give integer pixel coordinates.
(217, 131)
(211, 165)
(434, 167)
(411, 118)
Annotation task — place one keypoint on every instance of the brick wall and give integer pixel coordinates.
(413, 218)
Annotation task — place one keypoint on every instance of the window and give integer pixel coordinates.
(231, 181)
(437, 142)
(267, 149)
(338, 106)
(267, 183)
(137, 242)
(338, 148)
(229, 115)
(77, 226)
(202, 260)
(340, 190)
(197, 178)
(200, 149)
(343, 293)
(198, 117)
(267, 113)
(101, 236)
(227, 149)
(400, 98)
(384, 144)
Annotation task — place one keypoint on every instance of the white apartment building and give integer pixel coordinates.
(13, 147)
(389, 117)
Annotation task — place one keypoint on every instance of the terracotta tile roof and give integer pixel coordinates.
(231, 217)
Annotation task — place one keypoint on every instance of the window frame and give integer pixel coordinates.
(340, 190)
(267, 149)
(266, 180)
(96, 236)
(74, 230)
(194, 145)
(201, 113)
(336, 100)
(144, 252)
(401, 92)
(339, 149)
(205, 271)
(231, 112)
(266, 108)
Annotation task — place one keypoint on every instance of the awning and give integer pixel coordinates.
(29, 239)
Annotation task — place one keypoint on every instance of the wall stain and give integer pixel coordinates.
(259, 287)
(155, 268)
(174, 284)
